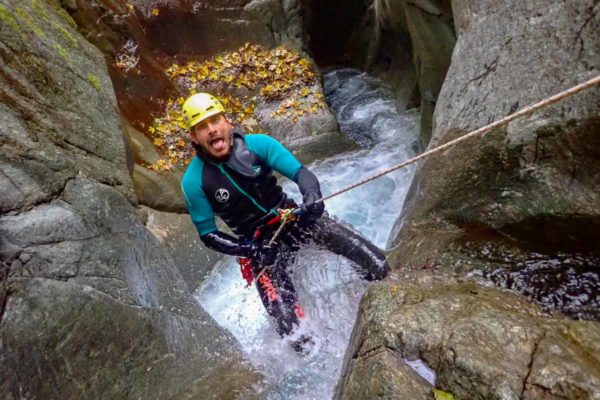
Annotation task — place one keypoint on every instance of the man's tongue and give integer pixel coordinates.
(217, 144)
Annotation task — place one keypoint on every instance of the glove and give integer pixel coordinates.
(311, 211)
(263, 253)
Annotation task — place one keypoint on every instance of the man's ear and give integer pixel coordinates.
(228, 121)
(192, 136)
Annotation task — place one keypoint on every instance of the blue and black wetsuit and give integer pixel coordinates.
(244, 193)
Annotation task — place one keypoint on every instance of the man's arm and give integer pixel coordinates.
(227, 244)
(274, 154)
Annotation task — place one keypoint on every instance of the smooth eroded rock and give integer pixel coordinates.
(482, 342)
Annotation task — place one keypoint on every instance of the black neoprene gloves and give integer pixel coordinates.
(262, 253)
(256, 250)
(310, 209)
(311, 192)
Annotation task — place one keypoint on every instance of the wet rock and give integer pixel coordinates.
(482, 342)
(89, 344)
(56, 94)
(180, 237)
(159, 190)
(407, 43)
(530, 188)
(88, 295)
(314, 136)
(382, 374)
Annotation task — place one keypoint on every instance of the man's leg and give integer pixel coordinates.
(278, 295)
(346, 242)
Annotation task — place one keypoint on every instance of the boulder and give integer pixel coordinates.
(314, 136)
(483, 343)
(91, 303)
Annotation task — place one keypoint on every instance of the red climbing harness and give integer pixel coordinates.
(246, 269)
(246, 266)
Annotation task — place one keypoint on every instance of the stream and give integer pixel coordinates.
(328, 288)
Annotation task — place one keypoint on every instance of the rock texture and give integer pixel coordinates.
(91, 304)
(530, 187)
(482, 342)
(180, 237)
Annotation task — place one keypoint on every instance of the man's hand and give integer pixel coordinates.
(262, 253)
(311, 210)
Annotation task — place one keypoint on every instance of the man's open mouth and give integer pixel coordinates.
(217, 144)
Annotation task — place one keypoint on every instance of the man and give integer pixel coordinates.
(232, 177)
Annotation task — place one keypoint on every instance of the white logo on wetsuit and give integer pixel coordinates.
(222, 195)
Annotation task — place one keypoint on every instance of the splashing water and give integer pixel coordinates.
(328, 288)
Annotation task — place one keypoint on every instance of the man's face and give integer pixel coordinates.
(213, 135)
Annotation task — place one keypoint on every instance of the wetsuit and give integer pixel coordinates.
(243, 191)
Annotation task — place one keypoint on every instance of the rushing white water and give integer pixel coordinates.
(328, 288)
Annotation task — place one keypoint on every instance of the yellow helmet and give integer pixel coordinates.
(198, 107)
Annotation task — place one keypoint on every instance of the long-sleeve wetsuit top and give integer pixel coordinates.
(241, 190)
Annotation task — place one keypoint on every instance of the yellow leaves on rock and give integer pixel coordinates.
(275, 75)
(155, 11)
(171, 137)
(293, 108)
(273, 72)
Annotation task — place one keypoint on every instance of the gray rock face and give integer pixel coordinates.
(55, 96)
(381, 374)
(531, 186)
(221, 24)
(483, 343)
(91, 304)
(180, 237)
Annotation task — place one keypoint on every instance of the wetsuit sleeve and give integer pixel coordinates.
(198, 206)
(226, 244)
(274, 154)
